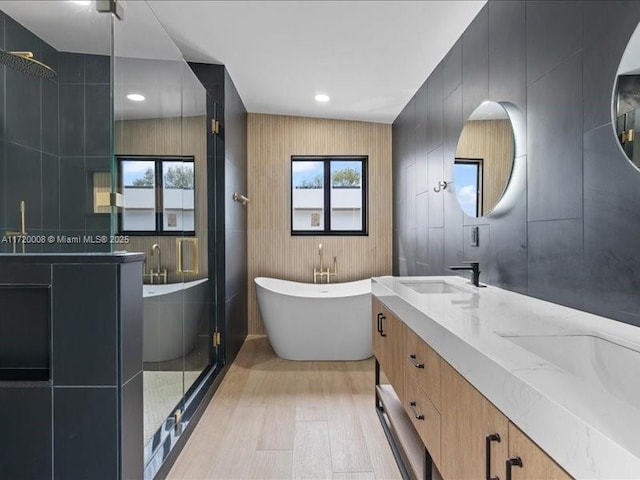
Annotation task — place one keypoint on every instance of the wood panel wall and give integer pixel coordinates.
(171, 136)
(491, 140)
(272, 251)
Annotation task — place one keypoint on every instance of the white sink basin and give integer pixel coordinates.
(432, 286)
(590, 358)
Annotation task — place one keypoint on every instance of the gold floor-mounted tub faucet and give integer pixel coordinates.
(321, 272)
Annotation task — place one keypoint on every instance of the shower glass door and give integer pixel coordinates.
(161, 158)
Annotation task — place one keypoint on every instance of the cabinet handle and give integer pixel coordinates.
(418, 416)
(412, 357)
(379, 323)
(513, 461)
(492, 437)
(381, 329)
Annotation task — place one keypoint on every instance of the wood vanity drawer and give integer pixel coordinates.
(423, 415)
(423, 365)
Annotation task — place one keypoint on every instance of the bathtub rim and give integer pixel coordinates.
(169, 288)
(314, 290)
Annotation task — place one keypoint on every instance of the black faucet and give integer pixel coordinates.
(475, 269)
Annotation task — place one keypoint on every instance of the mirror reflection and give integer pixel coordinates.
(626, 102)
(484, 159)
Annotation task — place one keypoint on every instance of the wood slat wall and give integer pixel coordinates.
(171, 136)
(491, 140)
(272, 251)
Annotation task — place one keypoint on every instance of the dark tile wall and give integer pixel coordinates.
(84, 420)
(53, 135)
(229, 227)
(568, 236)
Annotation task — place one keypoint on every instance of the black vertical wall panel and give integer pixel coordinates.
(569, 234)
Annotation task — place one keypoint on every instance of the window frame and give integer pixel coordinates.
(159, 195)
(479, 164)
(327, 159)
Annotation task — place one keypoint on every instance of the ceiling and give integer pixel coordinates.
(370, 57)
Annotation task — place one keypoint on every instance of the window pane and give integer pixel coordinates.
(178, 196)
(138, 187)
(307, 195)
(346, 195)
(467, 178)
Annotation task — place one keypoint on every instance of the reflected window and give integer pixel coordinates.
(159, 195)
(328, 195)
(468, 183)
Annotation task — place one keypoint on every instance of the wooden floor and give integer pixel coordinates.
(277, 419)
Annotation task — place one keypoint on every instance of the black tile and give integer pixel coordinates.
(452, 69)
(132, 428)
(480, 254)
(436, 251)
(554, 141)
(507, 53)
(452, 128)
(98, 123)
(508, 258)
(84, 325)
(24, 327)
(86, 433)
(453, 227)
(422, 232)
(27, 452)
(101, 164)
(411, 249)
(50, 192)
(49, 56)
(421, 105)
(97, 69)
(73, 193)
(71, 68)
(23, 110)
(50, 117)
(434, 110)
(2, 20)
(475, 63)
(554, 32)
(410, 196)
(420, 158)
(611, 227)
(131, 319)
(23, 170)
(3, 189)
(19, 39)
(435, 173)
(98, 224)
(72, 125)
(236, 263)
(236, 324)
(604, 46)
(555, 261)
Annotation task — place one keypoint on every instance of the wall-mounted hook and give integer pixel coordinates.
(238, 197)
(442, 185)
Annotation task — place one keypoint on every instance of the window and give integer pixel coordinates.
(158, 195)
(468, 175)
(328, 195)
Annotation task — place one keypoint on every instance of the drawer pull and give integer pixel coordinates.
(511, 462)
(492, 437)
(412, 358)
(418, 416)
(381, 326)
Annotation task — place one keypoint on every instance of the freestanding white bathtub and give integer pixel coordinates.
(306, 321)
(172, 316)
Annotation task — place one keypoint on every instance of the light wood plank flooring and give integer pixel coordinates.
(277, 419)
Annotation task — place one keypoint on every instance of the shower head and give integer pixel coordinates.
(24, 62)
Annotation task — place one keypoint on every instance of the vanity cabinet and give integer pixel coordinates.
(465, 435)
(388, 344)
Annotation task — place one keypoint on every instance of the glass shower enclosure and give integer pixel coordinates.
(104, 149)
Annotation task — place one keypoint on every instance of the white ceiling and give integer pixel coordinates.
(370, 57)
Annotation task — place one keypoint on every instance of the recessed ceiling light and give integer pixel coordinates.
(81, 2)
(321, 97)
(136, 97)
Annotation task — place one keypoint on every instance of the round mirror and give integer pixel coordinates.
(484, 159)
(626, 99)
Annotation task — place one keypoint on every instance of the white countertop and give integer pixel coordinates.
(587, 425)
